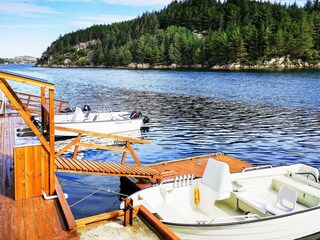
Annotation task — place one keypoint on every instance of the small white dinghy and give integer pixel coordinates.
(270, 203)
(102, 122)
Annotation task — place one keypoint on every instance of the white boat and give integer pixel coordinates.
(102, 122)
(270, 203)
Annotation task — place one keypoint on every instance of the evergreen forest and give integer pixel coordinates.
(197, 32)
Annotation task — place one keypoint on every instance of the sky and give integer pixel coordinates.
(28, 27)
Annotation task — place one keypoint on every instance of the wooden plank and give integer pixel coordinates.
(18, 229)
(97, 219)
(103, 147)
(65, 207)
(101, 165)
(37, 176)
(51, 150)
(26, 79)
(58, 164)
(113, 167)
(94, 167)
(30, 220)
(133, 154)
(44, 225)
(62, 162)
(7, 209)
(66, 161)
(94, 164)
(56, 221)
(84, 163)
(71, 161)
(127, 168)
(77, 163)
(19, 176)
(45, 169)
(162, 230)
(29, 157)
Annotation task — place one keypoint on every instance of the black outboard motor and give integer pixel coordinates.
(86, 108)
(146, 120)
(67, 109)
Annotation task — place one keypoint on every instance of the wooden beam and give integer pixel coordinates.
(52, 142)
(14, 95)
(69, 145)
(124, 155)
(133, 154)
(23, 113)
(26, 79)
(97, 219)
(97, 146)
(161, 230)
(75, 152)
(96, 134)
(71, 223)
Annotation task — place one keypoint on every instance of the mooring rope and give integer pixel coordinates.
(108, 190)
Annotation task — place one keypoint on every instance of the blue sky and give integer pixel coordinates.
(27, 27)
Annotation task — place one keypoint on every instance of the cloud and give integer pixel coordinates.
(21, 8)
(88, 21)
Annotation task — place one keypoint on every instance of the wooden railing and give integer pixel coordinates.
(33, 103)
(77, 143)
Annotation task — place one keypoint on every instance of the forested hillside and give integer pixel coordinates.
(197, 32)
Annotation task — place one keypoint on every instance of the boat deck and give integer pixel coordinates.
(33, 218)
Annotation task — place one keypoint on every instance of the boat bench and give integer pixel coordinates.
(307, 195)
(251, 199)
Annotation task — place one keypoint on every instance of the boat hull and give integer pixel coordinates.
(292, 226)
(106, 127)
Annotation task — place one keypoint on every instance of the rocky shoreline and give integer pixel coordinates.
(273, 64)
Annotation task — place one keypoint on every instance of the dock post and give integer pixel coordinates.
(128, 211)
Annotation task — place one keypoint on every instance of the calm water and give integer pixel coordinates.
(263, 117)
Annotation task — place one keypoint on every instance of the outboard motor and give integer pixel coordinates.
(135, 114)
(86, 108)
(67, 110)
(146, 120)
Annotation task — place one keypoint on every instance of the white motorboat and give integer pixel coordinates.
(102, 122)
(270, 203)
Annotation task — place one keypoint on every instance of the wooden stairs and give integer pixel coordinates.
(104, 168)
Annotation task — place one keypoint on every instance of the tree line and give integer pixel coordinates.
(206, 32)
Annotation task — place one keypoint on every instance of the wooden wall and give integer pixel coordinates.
(31, 167)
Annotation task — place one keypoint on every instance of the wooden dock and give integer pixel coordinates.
(104, 168)
(27, 169)
(185, 166)
(31, 218)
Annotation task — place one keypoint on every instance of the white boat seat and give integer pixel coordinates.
(217, 177)
(253, 200)
(286, 201)
(77, 115)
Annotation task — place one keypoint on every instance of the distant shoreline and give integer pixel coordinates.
(233, 66)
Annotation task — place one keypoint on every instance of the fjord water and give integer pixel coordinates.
(263, 117)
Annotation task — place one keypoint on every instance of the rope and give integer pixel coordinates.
(85, 198)
(108, 190)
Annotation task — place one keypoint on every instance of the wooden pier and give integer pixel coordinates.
(193, 165)
(32, 204)
(28, 218)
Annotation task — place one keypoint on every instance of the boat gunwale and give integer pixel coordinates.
(99, 121)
